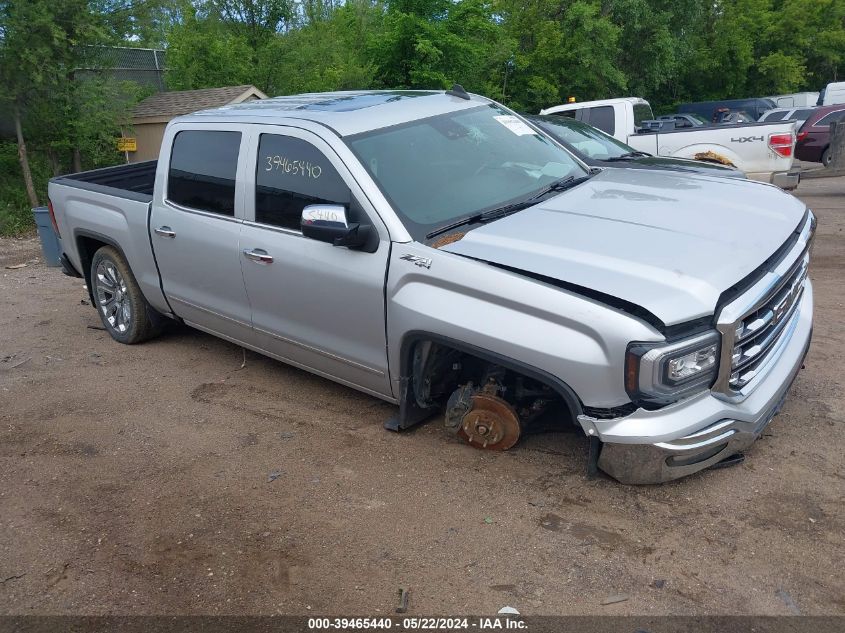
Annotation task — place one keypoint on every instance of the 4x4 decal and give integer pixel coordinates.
(747, 139)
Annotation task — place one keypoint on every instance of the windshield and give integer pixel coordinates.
(444, 168)
(586, 139)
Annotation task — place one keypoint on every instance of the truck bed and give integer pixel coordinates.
(109, 206)
(134, 181)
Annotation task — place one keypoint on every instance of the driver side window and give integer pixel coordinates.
(291, 174)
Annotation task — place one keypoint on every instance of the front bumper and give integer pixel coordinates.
(688, 436)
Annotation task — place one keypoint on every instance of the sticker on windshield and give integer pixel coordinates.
(514, 124)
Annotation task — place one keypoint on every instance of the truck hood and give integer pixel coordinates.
(669, 242)
(678, 164)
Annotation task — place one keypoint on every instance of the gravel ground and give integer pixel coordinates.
(166, 478)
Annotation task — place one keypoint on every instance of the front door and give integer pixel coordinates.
(195, 229)
(315, 305)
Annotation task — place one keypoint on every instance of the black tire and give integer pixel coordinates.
(125, 314)
(826, 157)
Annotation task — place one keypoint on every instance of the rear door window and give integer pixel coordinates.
(291, 174)
(203, 166)
(602, 118)
(642, 112)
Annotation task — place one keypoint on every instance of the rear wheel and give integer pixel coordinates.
(826, 157)
(126, 315)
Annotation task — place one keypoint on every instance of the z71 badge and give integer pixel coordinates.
(422, 262)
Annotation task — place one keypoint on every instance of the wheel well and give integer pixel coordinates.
(86, 246)
(434, 367)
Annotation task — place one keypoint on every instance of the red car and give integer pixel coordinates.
(813, 142)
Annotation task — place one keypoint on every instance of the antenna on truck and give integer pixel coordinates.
(457, 90)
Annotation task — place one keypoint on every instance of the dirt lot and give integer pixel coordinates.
(163, 478)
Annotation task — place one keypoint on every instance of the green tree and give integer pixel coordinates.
(328, 52)
(204, 53)
(811, 33)
(434, 43)
(41, 43)
(563, 48)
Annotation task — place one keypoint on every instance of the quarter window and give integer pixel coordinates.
(774, 116)
(203, 165)
(829, 118)
(290, 175)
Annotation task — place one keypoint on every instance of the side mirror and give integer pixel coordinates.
(327, 223)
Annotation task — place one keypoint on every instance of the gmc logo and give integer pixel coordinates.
(746, 139)
(780, 310)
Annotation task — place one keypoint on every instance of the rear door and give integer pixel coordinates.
(315, 305)
(195, 225)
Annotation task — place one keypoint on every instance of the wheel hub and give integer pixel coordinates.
(110, 291)
(491, 423)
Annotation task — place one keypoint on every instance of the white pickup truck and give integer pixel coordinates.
(764, 151)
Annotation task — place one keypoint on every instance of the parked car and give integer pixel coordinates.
(762, 150)
(832, 94)
(434, 250)
(796, 100)
(684, 120)
(799, 115)
(598, 149)
(813, 143)
(708, 109)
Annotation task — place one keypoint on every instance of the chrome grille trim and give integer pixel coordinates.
(766, 312)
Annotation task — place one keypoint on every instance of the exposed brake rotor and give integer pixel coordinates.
(490, 423)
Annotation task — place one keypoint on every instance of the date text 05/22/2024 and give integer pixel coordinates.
(416, 624)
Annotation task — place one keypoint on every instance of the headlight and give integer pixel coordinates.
(660, 373)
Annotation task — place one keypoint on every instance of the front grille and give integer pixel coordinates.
(759, 331)
(755, 325)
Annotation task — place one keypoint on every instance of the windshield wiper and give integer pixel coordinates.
(499, 212)
(561, 185)
(470, 219)
(629, 155)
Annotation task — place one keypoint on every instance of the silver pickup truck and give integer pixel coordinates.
(437, 251)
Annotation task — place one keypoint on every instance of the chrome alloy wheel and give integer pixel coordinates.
(112, 296)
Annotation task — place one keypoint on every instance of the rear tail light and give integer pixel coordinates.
(53, 218)
(782, 144)
(801, 136)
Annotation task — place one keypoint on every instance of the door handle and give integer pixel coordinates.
(258, 255)
(165, 231)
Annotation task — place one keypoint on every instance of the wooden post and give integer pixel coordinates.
(837, 145)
